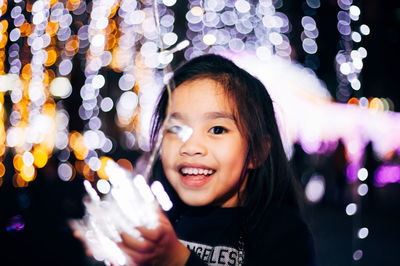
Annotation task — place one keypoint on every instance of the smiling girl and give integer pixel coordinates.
(235, 199)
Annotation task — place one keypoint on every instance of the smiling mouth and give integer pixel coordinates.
(196, 173)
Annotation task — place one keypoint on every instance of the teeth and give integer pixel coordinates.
(196, 171)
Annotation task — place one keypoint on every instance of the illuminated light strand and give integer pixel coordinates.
(36, 125)
(3, 5)
(130, 203)
(349, 64)
(217, 26)
(349, 60)
(59, 28)
(310, 33)
(99, 35)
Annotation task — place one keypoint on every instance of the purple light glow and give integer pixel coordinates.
(16, 223)
(351, 171)
(387, 174)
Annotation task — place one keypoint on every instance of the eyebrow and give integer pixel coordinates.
(208, 116)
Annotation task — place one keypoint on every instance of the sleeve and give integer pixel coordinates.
(194, 260)
(282, 239)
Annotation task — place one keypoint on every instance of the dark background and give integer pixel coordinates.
(44, 207)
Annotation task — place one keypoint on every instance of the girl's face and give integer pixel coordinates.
(206, 168)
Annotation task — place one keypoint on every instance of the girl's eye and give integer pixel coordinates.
(218, 130)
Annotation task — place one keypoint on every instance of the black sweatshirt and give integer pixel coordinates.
(212, 235)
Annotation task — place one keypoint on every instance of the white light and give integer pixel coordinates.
(15, 34)
(28, 158)
(136, 17)
(315, 188)
(106, 104)
(170, 38)
(98, 81)
(364, 29)
(236, 45)
(275, 38)
(358, 64)
(149, 49)
(351, 209)
(98, 40)
(363, 232)
(362, 174)
(126, 82)
(362, 190)
(161, 195)
(94, 123)
(363, 52)
(65, 67)
(355, 11)
(356, 36)
(209, 39)
(310, 46)
(242, 6)
(61, 140)
(107, 146)
(65, 171)
(169, 2)
(165, 57)
(61, 87)
(308, 23)
(91, 139)
(94, 163)
(103, 186)
(357, 255)
(345, 68)
(355, 84)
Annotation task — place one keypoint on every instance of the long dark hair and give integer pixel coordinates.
(271, 181)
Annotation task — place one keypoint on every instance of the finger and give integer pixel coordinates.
(136, 244)
(150, 234)
(138, 257)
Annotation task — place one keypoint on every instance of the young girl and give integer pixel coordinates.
(235, 200)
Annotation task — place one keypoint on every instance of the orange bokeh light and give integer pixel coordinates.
(2, 169)
(4, 24)
(28, 173)
(353, 101)
(26, 72)
(40, 157)
(25, 29)
(52, 28)
(77, 145)
(88, 173)
(18, 162)
(51, 57)
(102, 172)
(18, 181)
(4, 40)
(125, 164)
(73, 4)
(72, 45)
(4, 7)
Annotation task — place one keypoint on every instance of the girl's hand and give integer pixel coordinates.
(158, 247)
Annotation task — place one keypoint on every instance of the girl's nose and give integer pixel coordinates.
(194, 146)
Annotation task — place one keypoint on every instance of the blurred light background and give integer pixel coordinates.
(78, 82)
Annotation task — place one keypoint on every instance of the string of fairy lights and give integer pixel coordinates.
(349, 59)
(349, 65)
(216, 26)
(310, 33)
